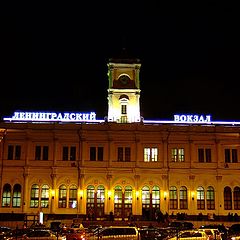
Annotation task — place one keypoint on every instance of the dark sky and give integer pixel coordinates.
(54, 56)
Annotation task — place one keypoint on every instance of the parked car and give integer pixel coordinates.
(213, 233)
(190, 235)
(152, 233)
(234, 232)
(117, 232)
(181, 225)
(4, 231)
(78, 234)
(42, 234)
(221, 228)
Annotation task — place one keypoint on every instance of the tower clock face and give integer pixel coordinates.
(124, 79)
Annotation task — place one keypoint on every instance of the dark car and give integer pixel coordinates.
(4, 231)
(234, 231)
(181, 225)
(153, 233)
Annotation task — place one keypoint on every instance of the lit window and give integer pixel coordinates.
(150, 154)
(200, 198)
(16, 202)
(6, 195)
(178, 155)
(73, 197)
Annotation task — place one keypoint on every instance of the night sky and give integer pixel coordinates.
(54, 56)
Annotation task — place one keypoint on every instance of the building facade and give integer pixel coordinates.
(74, 165)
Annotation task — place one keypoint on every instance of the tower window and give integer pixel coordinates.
(124, 109)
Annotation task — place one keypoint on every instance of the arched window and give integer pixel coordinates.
(236, 198)
(210, 197)
(6, 197)
(200, 198)
(183, 203)
(155, 202)
(90, 196)
(227, 198)
(90, 202)
(44, 196)
(16, 202)
(73, 196)
(173, 199)
(146, 200)
(128, 201)
(156, 197)
(100, 194)
(146, 196)
(100, 201)
(34, 201)
(118, 200)
(62, 199)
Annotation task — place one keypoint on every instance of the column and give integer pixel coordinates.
(82, 195)
(164, 196)
(26, 191)
(109, 206)
(53, 193)
(137, 200)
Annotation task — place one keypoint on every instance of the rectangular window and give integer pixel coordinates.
(41, 153)
(72, 153)
(204, 155)
(234, 156)
(124, 109)
(45, 153)
(120, 154)
(227, 156)
(96, 153)
(124, 154)
(10, 152)
(69, 153)
(177, 155)
(100, 153)
(231, 155)
(150, 154)
(14, 152)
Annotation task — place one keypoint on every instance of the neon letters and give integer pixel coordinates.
(52, 117)
(192, 118)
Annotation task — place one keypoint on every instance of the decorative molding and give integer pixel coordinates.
(109, 176)
(219, 178)
(192, 177)
(137, 177)
(164, 177)
(53, 175)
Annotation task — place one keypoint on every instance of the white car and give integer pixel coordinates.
(190, 235)
(213, 234)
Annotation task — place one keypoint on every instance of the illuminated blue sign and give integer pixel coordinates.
(52, 117)
(192, 118)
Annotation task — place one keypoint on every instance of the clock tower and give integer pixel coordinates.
(123, 90)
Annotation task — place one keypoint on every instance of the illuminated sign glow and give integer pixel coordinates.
(90, 117)
(53, 117)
